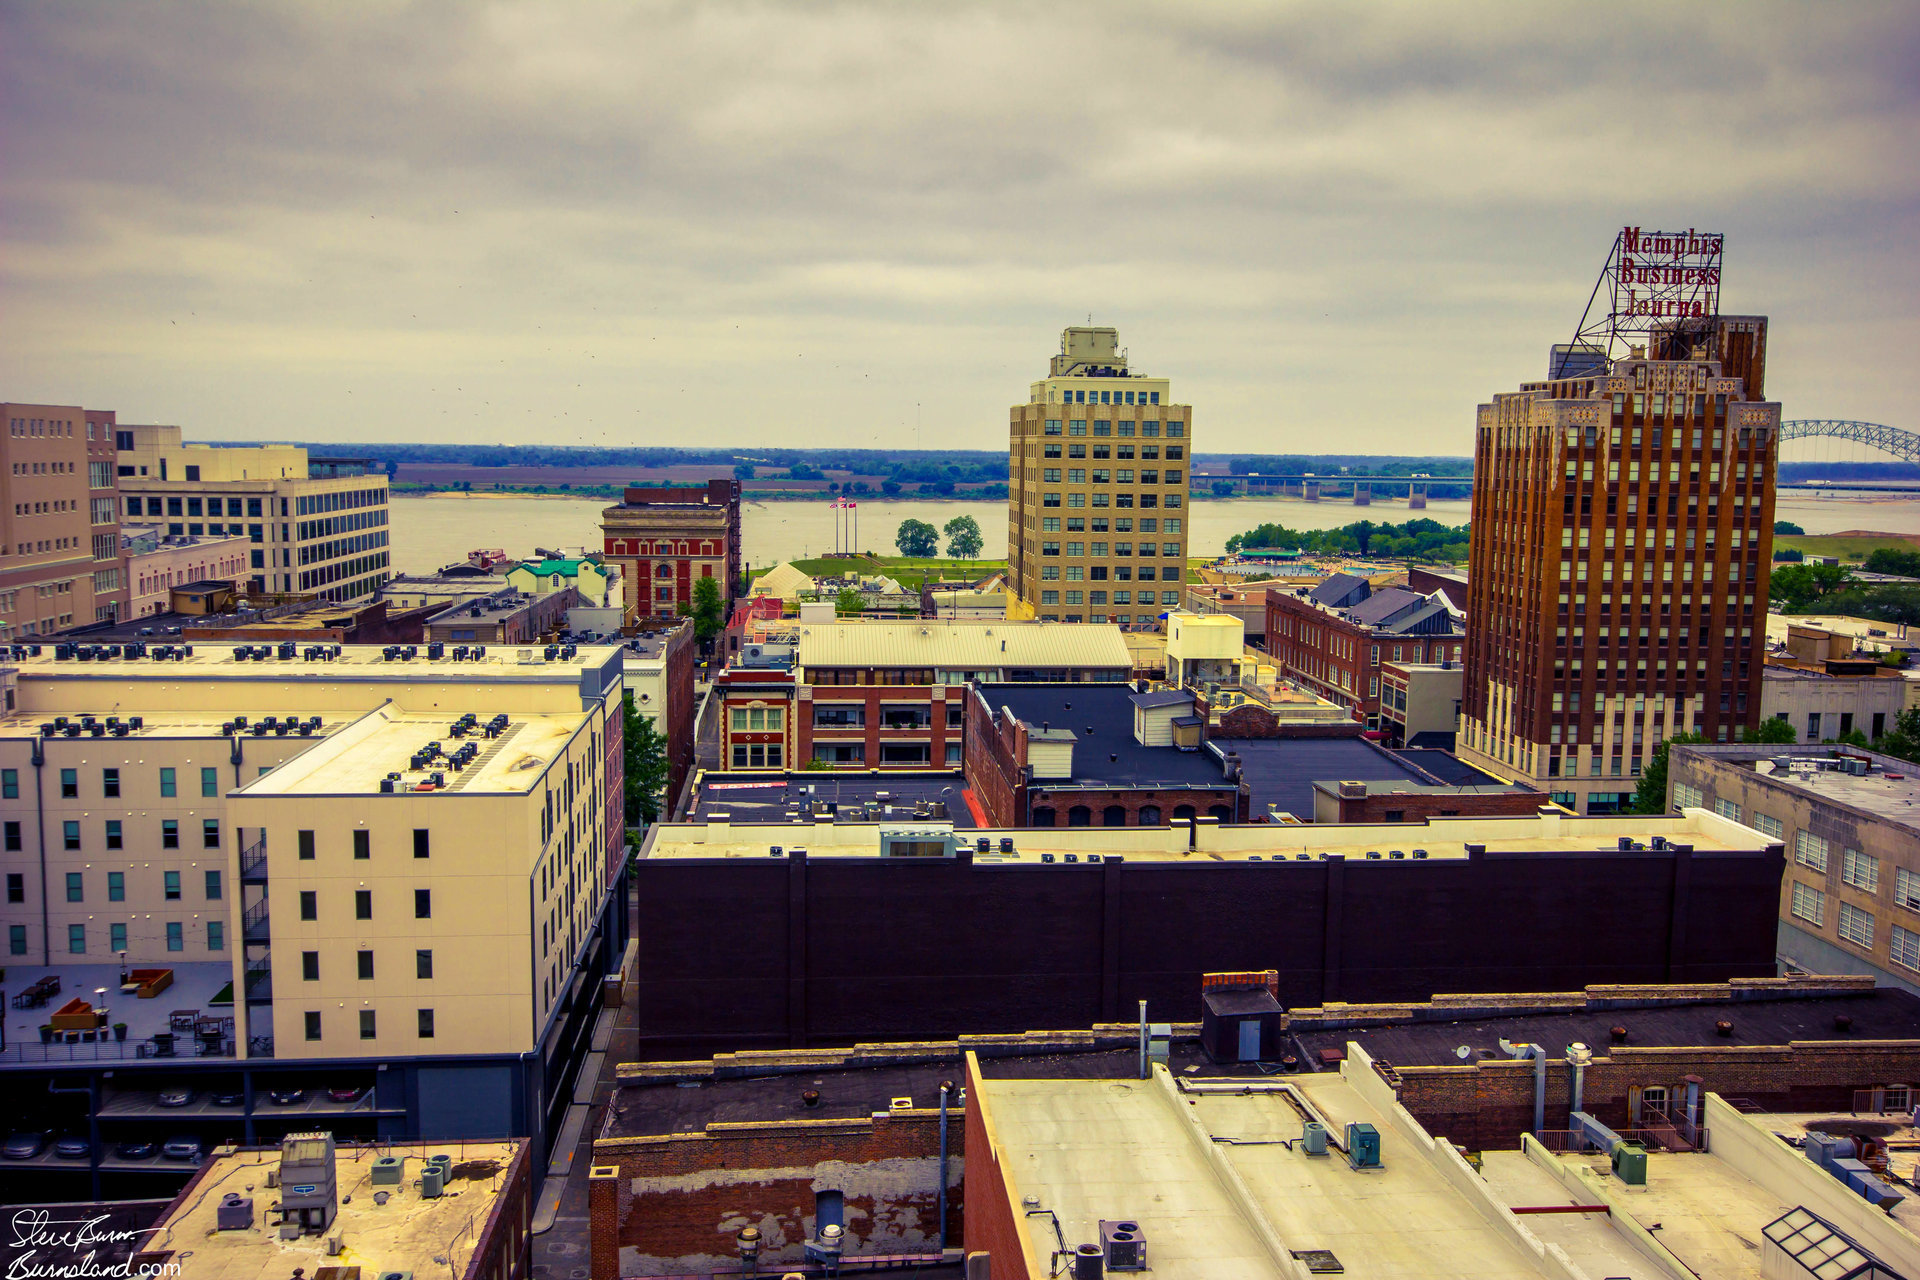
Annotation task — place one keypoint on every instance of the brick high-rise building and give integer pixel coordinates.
(666, 539)
(60, 562)
(1622, 536)
(1096, 490)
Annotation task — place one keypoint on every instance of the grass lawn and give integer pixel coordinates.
(1855, 549)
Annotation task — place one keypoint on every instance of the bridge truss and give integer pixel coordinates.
(1902, 444)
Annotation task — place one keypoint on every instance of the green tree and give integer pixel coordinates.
(848, 603)
(743, 471)
(917, 539)
(647, 767)
(1772, 729)
(803, 471)
(888, 487)
(1903, 739)
(1893, 560)
(1651, 795)
(706, 615)
(963, 538)
(1222, 488)
(1789, 528)
(1799, 586)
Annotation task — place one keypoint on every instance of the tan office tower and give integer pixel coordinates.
(1096, 490)
(60, 563)
(1622, 537)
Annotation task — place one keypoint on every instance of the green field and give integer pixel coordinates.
(1853, 549)
(909, 573)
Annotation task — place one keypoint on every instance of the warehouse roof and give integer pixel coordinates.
(967, 646)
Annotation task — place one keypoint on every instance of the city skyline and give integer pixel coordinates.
(525, 225)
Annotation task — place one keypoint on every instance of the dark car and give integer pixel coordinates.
(137, 1150)
(184, 1147)
(347, 1093)
(72, 1147)
(23, 1146)
(227, 1097)
(287, 1097)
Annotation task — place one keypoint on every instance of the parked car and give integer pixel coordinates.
(287, 1097)
(175, 1097)
(140, 1149)
(23, 1146)
(72, 1147)
(227, 1097)
(347, 1093)
(184, 1147)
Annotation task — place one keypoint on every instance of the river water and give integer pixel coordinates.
(438, 529)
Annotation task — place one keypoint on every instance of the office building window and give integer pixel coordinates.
(426, 1024)
(216, 935)
(69, 784)
(167, 787)
(74, 887)
(11, 840)
(1906, 889)
(362, 845)
(171, 882)
(313, 1024)
(1727, 809)
(309, 905)
(70, 835)
(176, 936)
(1906, 947)
(9, 784)
(1686, 797)
(16, 939)
(421, 846)
(1856, 926)
(363, 961)
(422, 904)
(209, 782)
(116, 886)
(1811, 851)
(169, 833)
(1769, 826)
(117, 938)
(366, 1024)
(305, 840)
(210, 833)
(363, 904)
(1809, 904)
(213, 886)
(1860, 870)
(423, 964)
(77, 939)
(310, 966)
(114, 840)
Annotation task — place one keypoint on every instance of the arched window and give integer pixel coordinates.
(1043, 816)
(1113, 816)
(664, 571)
(1183, 811)
(1079, 816)
(1221, 812)
(1149, 815)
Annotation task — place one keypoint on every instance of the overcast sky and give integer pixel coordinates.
(1334, 228)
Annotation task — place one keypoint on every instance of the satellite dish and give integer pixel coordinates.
(1463, 1052)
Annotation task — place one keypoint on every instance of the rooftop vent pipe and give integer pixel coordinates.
(1539, 1056)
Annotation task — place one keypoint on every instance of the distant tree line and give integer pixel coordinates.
(1414, 540)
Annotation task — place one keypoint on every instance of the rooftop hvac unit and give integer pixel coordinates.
(1313, 1138)
(1363, 1145)
(234, 1213)
(433, 1181)
(1124, 1245)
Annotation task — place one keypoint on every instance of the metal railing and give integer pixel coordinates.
(253, 859)
(254, 925)
(107, 1049)
(1574, 1141)
(259, 979)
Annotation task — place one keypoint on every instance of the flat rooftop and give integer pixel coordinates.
(1133, 1150)
(356, 759)
(1886, 1013)
(783, 798)
(1889, 791)
(409, 1233)
(175, 724)
(216, 659)
(1105, 752)
(1402, 843)
(192, 993)
(1280, 772)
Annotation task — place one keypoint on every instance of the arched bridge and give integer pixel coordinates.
(1904, 445)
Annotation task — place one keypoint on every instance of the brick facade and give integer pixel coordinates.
(676, 1202)
(1419, 806)
(665, 539)
(992, 1227)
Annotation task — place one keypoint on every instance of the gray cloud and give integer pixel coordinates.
(755, 223)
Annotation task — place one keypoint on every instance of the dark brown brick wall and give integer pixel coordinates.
(1415, 807)
(1489, 1104)
(691, 1193)
(990, 1228)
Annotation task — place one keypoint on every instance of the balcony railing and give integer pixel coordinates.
(259, 980)
(254, 925)
(253, 860)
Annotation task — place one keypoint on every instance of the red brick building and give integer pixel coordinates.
(1333, 638)
(665, 540)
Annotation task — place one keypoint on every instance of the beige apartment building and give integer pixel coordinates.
(392, 860)
(1096, 490)
(60, 561)
(318, 525)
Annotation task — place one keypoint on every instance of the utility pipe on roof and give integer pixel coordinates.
(1578, 1057)
(1539, 1057)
